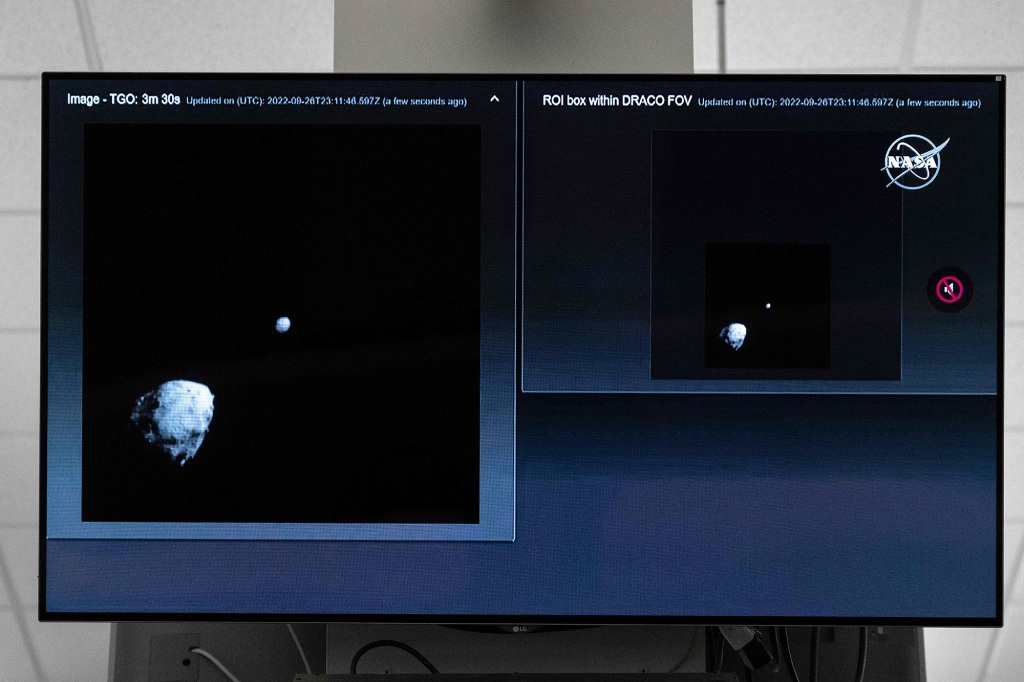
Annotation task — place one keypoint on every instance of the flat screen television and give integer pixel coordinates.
(505, 348)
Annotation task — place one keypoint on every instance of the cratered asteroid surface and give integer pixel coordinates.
(734, 335)
(175, 416)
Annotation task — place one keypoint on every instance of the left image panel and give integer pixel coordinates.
(281, 323)
(279, 309)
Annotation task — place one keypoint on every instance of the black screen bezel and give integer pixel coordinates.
(48, 615)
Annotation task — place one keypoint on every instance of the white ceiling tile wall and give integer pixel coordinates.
(1013, 377)
(1013, 545)
(1007, 659)
(1013, 474)
(1016, 591)
(235, 35)
(21, 552)
(705, 36)
(19, 144)
(1015, 135)
(19, 379)
(7, 602)
(77, 652)
(19, 271)
(1014, 264)
(964, 33)
(804, 35)
(19, 483)
(42, 35)
(15, 660)
(956, 654)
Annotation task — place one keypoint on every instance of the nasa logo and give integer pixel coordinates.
(909, 168)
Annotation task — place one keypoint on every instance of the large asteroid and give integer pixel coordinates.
(734, 335)
(175, 416)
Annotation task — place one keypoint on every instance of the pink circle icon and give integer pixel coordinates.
(949, 289)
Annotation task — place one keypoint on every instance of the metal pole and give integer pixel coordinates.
(721, 35)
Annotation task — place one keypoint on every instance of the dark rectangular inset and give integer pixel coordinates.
(748, 229)
(767, 306)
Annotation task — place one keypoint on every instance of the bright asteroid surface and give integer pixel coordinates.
(734, 335)
(175, 416)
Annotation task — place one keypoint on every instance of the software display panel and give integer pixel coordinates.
(490, 348)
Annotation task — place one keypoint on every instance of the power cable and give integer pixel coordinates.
(776, 651)
(787, 654)
(862, 655)
(213, 659)
(815, 638)
(302, 653)
(398, 645)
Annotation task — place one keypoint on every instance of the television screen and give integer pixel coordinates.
(522, 348)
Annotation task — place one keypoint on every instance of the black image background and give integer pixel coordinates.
(780, 292)
(777, 187)
(197, 238)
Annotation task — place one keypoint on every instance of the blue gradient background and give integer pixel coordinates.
(642, 505)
